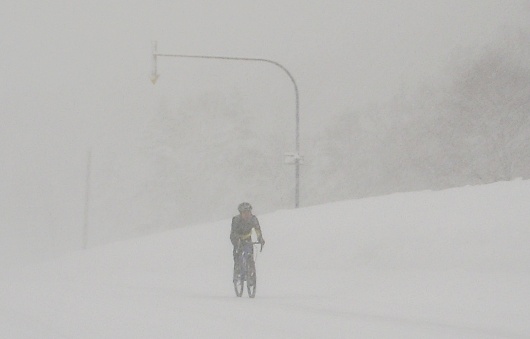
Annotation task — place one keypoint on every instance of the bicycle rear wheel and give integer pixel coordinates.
(239, 281)
(251, 282)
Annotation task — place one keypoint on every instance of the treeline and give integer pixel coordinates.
(210, 152)
(472, 129)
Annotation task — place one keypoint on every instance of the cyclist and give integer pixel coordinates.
(241, 231)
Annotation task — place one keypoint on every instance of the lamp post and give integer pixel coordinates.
(296, 158)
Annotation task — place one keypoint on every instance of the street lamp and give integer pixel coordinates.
(295, 158)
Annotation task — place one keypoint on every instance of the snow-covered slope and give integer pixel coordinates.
(446, 264)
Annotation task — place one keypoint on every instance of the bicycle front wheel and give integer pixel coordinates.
(238, 287)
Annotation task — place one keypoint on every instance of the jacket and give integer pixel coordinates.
(242, 229)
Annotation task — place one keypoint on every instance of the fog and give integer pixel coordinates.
(209, 134)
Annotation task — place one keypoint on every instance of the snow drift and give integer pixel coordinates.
(452, 263)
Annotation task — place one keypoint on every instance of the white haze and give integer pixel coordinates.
(445, 264)
(75, 78)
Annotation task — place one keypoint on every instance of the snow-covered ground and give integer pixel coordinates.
(445, 264)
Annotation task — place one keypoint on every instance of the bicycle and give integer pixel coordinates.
(245, 269)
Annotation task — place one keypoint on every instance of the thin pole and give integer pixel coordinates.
(87, 200)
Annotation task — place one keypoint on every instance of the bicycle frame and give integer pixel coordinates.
(245, 251)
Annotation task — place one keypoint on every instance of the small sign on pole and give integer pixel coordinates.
(293, 158)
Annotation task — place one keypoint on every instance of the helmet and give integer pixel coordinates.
(244, 206)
